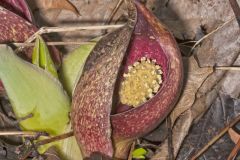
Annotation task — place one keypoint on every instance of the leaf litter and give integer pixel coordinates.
(220, 49)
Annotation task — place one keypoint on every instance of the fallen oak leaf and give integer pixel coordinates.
(54, 4)
(195, 78)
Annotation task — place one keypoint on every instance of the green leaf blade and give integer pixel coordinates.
(34, 91)
(72, 66)
(41, 57)
(139, 153)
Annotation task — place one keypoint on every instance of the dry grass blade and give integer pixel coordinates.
(53, 139)
(44, 30)
(49, 44)
(21, 133)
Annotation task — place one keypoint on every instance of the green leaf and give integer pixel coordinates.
(32, 90)
(72, 66)
(70, 147)
(41, 57)
(139, 153)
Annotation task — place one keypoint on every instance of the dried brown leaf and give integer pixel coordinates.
(180, 131)
(222, 112)
(95, 12)
(122, 148)
(54, 4)
(233, 135)
(194, 77)
(191, 19)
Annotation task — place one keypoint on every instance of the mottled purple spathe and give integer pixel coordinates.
(14, 28)
(152, 40)
(19, 7)
(94, 95)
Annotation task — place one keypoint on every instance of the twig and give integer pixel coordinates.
(209, 34)
(234, 151)
(44, 30)
(21, 133)
(170, 147)
(214, 139)
(114, 11)
(227, 68)
(236, 9)
(50, 44)
(188, 42)
(53, 139)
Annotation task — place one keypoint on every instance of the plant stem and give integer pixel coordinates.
(20, 133)
(44, 30)
(53, 139)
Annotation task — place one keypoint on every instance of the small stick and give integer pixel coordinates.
(188, 42)
(53, 139)
(218, 136)
(228, 68)
(50, 44)
(206, 36)
(44, 30)
(170, 146)
(234, 151)
(20, 133)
